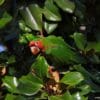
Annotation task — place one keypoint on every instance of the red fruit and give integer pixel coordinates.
(35, 50)
(39, 44)
(32, 43)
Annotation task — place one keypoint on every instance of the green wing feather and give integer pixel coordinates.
(60, 51)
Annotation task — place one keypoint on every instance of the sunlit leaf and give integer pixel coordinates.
(50, 27)
(32, 16)
(72, 78)
(11, 83)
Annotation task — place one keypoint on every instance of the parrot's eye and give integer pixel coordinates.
(32, 43)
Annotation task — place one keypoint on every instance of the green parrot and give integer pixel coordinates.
(57, 50)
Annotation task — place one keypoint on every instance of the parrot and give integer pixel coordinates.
(56, 49)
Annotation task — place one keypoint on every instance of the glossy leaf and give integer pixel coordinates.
(50, 27)
(72, 78)
(32, 16)
(11, 83)
(66, 5)
(29, 85)
(51, 12)
(23, 26)
(40, 66)
(80, 40)
(6, 18)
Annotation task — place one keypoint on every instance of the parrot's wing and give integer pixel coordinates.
(60, 51)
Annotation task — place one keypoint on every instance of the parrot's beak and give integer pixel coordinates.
(35, 50)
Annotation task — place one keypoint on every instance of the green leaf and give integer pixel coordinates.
(29, 85)
(50, 27)
(11, 83)
(66, 5)
(1, 2)
(32, 16)
(80, 40)
(78, 96)
(72, 78)
(11, 59)
(40, 66)
(23, 26)
(51, 12)
(14, 97)
(30, 36)
(10, 97)
(27, 37)
(6, 18)
(85, 89)
(65, 96)
(93, 45)
(22, 40)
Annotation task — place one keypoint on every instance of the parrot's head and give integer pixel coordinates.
(36, 46)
